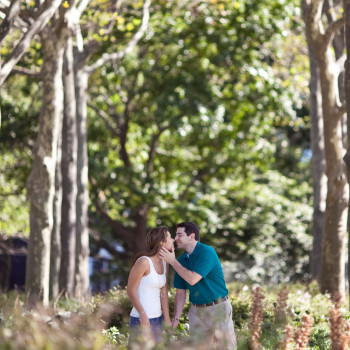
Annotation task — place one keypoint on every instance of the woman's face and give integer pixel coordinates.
(169, 243)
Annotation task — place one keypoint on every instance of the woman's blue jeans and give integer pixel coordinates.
(156, 325)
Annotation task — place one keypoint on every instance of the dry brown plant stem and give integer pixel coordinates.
(281, 306)
(288, 338)
(256, 318)
(340, 330)
(304, 332)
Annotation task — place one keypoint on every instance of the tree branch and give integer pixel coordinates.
(195, 178)
(11, 13)
(105, 118)
(102, 243)
(123, 127)
(81, 7)
(314, 22)
(118, 229)
(24, 71)
(331, 29)
(120, 131)
(24, 43)
(340, 111)
(83, 54)
(129, 47)
(152, 150)
(11, 194)
(341, 63)
(124, 124)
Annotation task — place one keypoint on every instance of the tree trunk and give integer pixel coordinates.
(318, 163)
(55, 258)
(347, 98)
(69, 175)
(82, 243)
(334, 233)
(318, 169)
(41, 181)
(139, 242)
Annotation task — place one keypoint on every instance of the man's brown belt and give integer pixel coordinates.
(220, 300)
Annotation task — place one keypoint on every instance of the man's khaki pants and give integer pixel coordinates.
(212, 327)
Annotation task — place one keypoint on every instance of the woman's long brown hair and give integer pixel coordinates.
(153, 239)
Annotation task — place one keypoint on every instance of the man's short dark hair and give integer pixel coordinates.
(190, 227)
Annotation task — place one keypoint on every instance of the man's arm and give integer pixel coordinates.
(179, 303)
(189, 276)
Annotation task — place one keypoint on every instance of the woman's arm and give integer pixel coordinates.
(164, 300)
(140, 269)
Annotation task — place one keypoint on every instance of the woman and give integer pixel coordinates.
(147, 287)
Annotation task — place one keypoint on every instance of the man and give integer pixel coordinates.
(199, 270)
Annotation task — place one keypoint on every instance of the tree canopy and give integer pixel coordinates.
(205, 120)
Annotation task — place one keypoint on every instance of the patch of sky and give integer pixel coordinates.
(306, 155)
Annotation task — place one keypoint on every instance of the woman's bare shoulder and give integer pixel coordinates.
(142, 263)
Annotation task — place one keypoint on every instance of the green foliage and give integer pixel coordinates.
(113, 336)
(14, 218)
(205, 85)
(240, 311)
(87, 326)
(20, 113)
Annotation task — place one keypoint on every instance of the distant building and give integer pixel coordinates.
(13, 255)
(102, 272)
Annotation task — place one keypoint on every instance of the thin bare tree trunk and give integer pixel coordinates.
(69, 175)
(347, 98)
(82, 242)
(55, 258)
(318, 163)
(141, 216)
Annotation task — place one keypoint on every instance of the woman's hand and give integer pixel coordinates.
(167, 323)
(168, 327)
(144, 321)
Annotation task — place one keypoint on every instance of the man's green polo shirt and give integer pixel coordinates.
(206, 263)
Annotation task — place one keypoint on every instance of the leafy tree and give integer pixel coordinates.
(199, 122)
(195, 107)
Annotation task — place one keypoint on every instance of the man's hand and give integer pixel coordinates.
(175, 323)
(168, 327)
(168, 255)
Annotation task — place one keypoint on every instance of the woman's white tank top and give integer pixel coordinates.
(148, 291)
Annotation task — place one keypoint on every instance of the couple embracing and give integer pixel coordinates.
(198, 270)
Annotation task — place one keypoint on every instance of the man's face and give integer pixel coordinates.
(181, 238)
